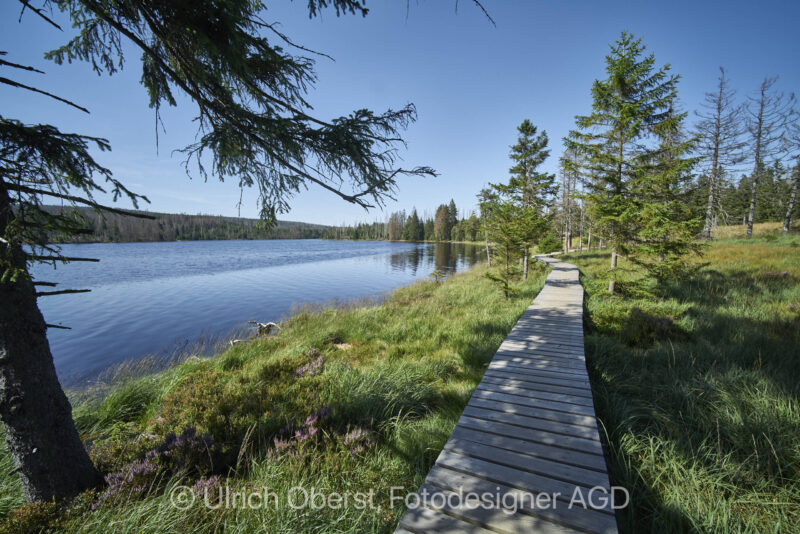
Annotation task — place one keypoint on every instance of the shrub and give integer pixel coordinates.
(549, 243)
(643, 329)
(33, 518)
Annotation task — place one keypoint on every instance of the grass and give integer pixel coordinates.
(347, 399)
(739, 231)
(696, 384)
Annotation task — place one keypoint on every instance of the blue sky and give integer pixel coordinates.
(472, 83)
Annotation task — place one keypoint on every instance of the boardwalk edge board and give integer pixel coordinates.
(528, 435)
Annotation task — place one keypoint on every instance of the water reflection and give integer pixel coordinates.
(444, 257)
(149, 298)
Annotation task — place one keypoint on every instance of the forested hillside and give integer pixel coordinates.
(111, 227)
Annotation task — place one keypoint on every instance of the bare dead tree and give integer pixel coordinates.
(720, 131)
(769, 113)
(793, 145)
(787, 221)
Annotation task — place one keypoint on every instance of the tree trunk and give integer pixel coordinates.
(525, 264)
(41, 436)
(709, 207)
(611, 271)
(787, 221)
(712, 180)
(751, 213)
(757, 167)
(589, 242)
(486, 241)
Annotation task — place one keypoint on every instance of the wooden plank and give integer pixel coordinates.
(419, 520)
(577, 517)
(532, 377)
(557, 470)
(542, 353)
(565, 429)
(567, 363)
(548, 337)
(546, 365)
(542, 413)
(553, 334)
(531, 390)
(529, 426)
(510, 367)
(523, 344)
(495, 518)
(550, 332)
(520, 345)
(534, 399)
(538, 435)
(542, 350)
(533, 448)
(532, 383)
(508, 475)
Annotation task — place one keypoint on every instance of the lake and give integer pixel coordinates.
(159, 298)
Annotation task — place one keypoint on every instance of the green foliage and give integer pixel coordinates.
(515, 214)
(381, 392)
(632, 150)
(549, 243)
(438, 276)
(441, 223)
(506, 224)
(529, 188)
(41, 161)
(254, 122)
(414, 229)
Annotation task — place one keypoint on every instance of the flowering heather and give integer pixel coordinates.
(358, 440)
(291, 437)
(206, 486)
(184, 451)
(134, 480)
(311, 369)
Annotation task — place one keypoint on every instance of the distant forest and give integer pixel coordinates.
(111, 227)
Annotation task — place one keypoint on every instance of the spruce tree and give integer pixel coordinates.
(410, 228)
(533, 190)
(667, 226)
(452, 215)
(441, 223)
(616, 140)
(505, 221)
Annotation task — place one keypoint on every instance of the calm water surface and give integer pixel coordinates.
(153, 298)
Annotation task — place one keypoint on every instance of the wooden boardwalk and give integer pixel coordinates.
(529, 430)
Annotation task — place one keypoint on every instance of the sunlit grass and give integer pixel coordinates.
(703, 422)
